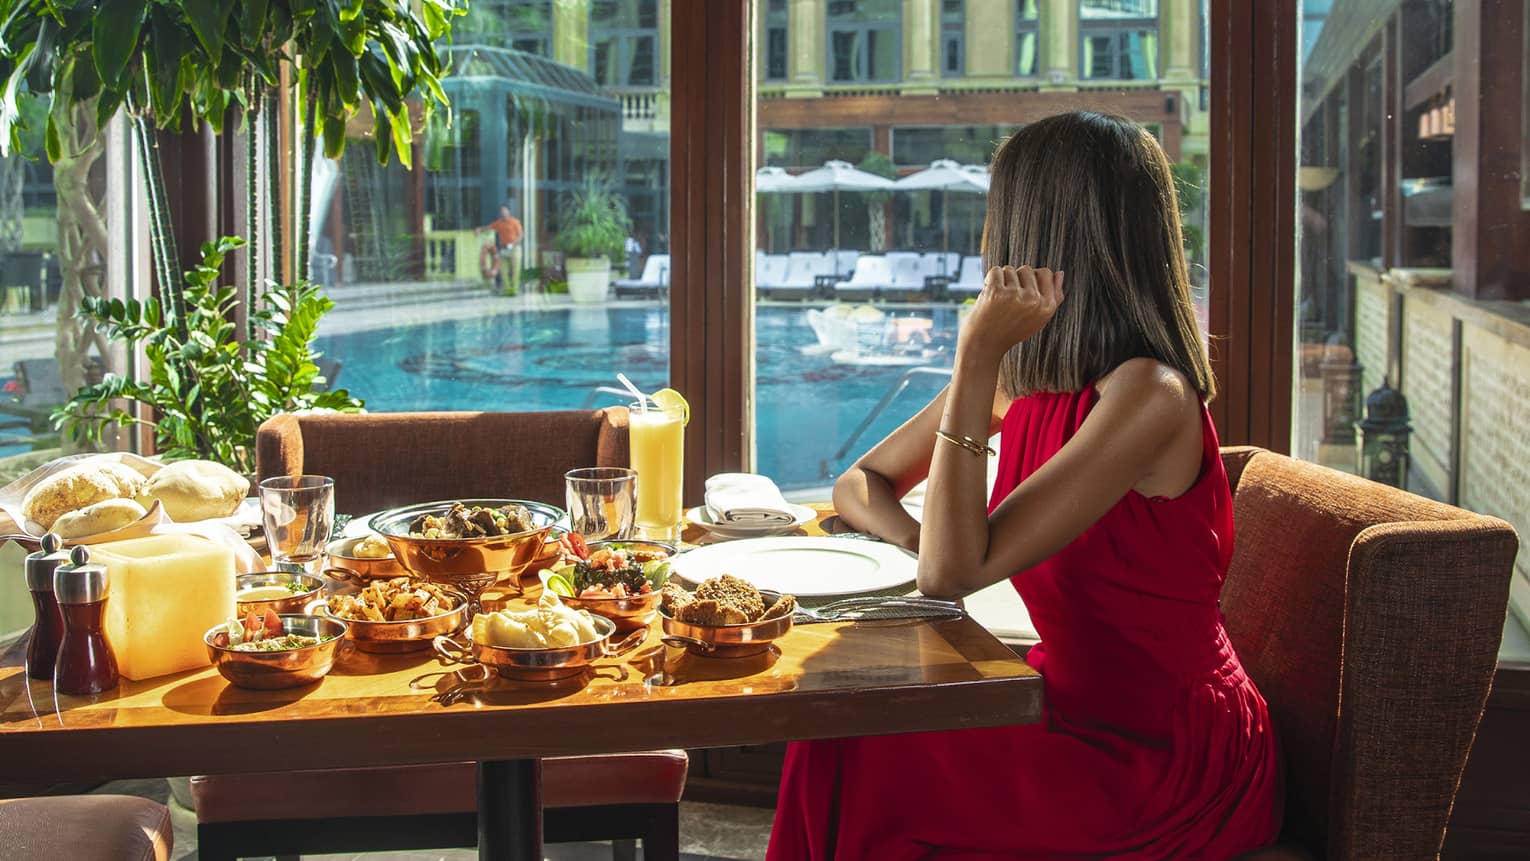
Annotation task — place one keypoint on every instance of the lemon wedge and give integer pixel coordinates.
(671, 402)
(557, 584)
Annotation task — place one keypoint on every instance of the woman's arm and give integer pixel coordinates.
(867, 495)
(1138, 435)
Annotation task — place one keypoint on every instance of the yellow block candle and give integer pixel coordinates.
(167, 590)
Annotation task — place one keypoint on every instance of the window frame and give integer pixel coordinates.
(1117, 29)
(956, 33)
(1024, 26)
(775, 21)
(624, 39)
(862, 28)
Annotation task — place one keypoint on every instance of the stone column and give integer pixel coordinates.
(806, 20)
(571, 33)
(1059, 46)
(1178, 37)
(921, 31)
(991, 40)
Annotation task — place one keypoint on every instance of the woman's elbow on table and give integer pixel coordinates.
(937, 579)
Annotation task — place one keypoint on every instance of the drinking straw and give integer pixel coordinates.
(642, 399)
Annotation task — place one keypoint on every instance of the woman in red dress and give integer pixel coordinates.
(1112, 506)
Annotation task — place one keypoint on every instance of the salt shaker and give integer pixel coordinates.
(86, 664)
(48, 628)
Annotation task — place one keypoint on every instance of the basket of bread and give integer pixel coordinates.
(94, 498)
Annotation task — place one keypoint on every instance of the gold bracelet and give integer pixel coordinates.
(967, 443)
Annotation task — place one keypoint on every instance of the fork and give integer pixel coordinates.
(872, 607)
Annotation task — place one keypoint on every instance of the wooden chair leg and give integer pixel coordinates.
(661, 835)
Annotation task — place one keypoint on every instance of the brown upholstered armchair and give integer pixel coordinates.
(1370, 618)
(382, 460)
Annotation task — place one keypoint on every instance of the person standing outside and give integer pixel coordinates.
(507, 236)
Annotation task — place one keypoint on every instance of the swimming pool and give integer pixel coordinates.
(807, 405)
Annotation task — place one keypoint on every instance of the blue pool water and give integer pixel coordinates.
(807, 405)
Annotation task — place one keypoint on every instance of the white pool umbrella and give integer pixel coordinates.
(837, 176)
(946, 175)
(773, 180)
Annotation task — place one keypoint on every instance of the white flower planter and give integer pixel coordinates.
(589, 279)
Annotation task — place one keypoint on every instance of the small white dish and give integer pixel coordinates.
(701, 517)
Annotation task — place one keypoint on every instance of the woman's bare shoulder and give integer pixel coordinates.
(1145, 378)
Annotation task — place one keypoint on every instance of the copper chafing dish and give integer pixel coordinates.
(634, 611)
(407, 635)
(341, 555)
(468, 564)
(288, 668)
(727, 641)
(539, 665)
(296, 602)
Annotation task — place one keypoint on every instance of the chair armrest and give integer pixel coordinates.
(279, 447)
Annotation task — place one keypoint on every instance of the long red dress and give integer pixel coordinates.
(1155, 743)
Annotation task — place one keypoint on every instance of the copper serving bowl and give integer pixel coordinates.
(367, 568)
(289, 668)
(407, 635)
(634, 611)
(539, 665)
(289, 602)
(727, 641)
(469, 564)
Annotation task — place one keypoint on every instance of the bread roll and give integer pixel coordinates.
(79, 486)
(194, 490)
(101, 517)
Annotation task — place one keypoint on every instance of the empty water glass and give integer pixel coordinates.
(601, 501)
(299, 514)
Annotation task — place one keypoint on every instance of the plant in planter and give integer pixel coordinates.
(876, 201)
(209, 389)
(594, 233)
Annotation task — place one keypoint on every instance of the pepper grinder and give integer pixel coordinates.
(86, 664)
(48, 629)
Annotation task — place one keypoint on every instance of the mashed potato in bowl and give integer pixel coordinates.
(548, 625)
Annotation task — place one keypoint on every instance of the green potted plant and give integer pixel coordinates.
(209, 389)
(595, 228)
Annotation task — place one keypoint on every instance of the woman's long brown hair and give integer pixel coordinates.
(1092, 195)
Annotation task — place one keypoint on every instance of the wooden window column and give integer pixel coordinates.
(711, 312)
(1252, 203)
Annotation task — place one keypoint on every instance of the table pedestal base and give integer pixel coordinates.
(510, 810)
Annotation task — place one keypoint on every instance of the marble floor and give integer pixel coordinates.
(708, 832)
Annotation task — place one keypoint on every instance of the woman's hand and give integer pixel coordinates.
(1014, 305)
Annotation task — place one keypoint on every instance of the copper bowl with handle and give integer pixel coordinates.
(544, 664)
(341, 554)
(727, 641)
(633, 611)
(406, 635)
(468, 564)
(288, 668)
(290, 601)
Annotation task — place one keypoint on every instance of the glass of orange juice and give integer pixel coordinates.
(657, 437)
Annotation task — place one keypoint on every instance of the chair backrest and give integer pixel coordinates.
(871, 270)
(771, 269)
(972, 272)
(803, 266)
(41, 381)
(908, 271)
(381, 460)
(938, 263)
(844, 260)
(1370, 618)
(656, 269)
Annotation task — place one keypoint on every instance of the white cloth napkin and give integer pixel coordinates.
(745, 498)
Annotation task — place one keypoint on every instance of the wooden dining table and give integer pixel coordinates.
(821, 680)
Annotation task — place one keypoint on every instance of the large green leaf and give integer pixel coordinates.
(209, 21)
(114, 35)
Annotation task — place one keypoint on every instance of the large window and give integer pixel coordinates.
(777, 20)
(624, 42)
(525, 25)
(1410, 364)
(1118, 39)
(864, 40)
(953, 38)
(1027, 37)
(917, 146)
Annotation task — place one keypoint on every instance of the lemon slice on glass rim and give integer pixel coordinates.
(671, 402)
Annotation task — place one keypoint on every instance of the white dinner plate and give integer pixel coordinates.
(701, 517)
(805, 567)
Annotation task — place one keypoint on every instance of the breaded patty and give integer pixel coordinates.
(731, 592)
